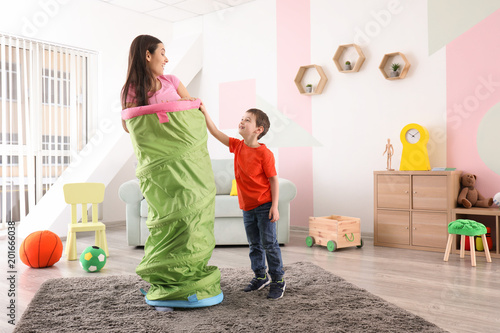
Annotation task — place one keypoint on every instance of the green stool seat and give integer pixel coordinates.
(466, 227)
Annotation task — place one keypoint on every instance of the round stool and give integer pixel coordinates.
(466, 228)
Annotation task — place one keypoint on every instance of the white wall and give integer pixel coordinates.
(238, 44)
(356, 113)
(353, 117)
(96, 26)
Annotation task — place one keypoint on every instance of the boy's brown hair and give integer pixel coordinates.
(261, 119)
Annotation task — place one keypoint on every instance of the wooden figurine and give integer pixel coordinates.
(390, 151)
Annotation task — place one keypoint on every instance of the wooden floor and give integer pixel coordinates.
(453, 295)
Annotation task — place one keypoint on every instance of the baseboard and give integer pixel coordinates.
(305, 230)
(367, 235)
(109, 224)
(299, 228)
(114, 223)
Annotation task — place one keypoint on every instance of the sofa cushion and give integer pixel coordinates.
(227, 206)
(144, 208)
(234, 188)
(223, 175)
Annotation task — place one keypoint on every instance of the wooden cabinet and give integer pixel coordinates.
(393, 191)
(413, 208)
(430, 193)
(392, 227)
(430, 229)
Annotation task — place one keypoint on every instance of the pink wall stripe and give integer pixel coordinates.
(235, 98)
(294, 50)
(473, 88)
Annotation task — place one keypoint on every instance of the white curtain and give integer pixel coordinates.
(45, 117)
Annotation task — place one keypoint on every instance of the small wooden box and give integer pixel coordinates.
(334, 232)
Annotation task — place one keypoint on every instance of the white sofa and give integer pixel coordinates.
(228, 225)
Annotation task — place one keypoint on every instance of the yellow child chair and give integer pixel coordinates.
(84, 193)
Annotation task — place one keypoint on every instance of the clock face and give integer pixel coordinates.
(412, 135)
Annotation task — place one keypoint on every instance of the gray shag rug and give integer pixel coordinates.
(315, 301)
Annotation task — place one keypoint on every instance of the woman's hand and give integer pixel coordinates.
(188, 99)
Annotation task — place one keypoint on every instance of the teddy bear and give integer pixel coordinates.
(469, 196)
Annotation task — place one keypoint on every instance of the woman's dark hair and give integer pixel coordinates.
(139, 76)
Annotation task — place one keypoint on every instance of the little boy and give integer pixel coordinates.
(258, 193)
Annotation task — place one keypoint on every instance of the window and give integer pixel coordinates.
(10, 71)
(47, 94)
(54, 82)
(9, 160)
(52, 142)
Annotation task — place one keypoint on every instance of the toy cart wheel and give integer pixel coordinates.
(310, 241)
(331, 246)
(360, 245)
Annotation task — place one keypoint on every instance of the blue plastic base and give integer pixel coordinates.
(163, 309)
(187, 304)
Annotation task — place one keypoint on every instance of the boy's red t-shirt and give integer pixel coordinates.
(252, 169)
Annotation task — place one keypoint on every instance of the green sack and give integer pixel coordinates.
(177, 181)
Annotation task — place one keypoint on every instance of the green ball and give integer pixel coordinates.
(93, 259)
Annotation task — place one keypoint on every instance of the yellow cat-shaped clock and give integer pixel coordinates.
(415, 156)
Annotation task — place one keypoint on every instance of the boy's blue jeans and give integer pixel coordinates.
(261, 235)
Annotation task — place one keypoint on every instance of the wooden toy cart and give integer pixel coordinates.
(334, 232)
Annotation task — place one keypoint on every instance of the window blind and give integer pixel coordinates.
(46, 117)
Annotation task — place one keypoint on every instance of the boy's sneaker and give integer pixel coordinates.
(257, 283)
(277, 289)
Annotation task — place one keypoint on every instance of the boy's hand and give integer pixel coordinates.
(203, 109)
(274, 215)
(223, 138)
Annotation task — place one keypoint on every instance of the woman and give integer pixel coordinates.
(175, 177)
(145, 82)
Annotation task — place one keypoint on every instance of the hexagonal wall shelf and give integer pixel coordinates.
(387, 59)
(344, 53)
(319, 87)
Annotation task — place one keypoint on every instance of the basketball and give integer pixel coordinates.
(41, 249)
